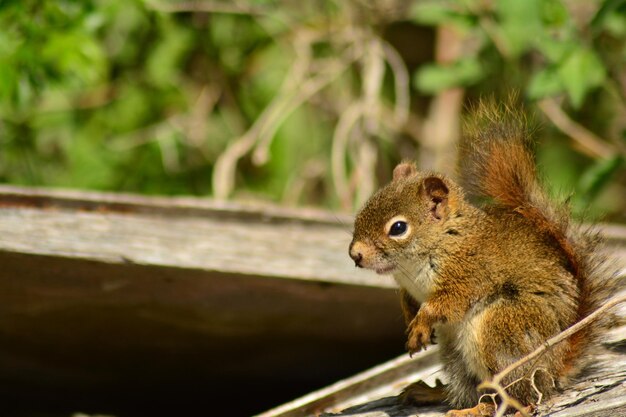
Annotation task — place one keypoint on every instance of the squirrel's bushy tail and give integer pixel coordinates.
(497, 164)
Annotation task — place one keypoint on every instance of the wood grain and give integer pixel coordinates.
(120, 293)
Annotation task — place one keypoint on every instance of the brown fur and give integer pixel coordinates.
(494, 282)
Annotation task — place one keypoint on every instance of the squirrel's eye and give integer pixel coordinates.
(398, 229)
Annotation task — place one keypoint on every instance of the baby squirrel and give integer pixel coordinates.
(493, 281)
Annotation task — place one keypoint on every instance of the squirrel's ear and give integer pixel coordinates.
(404, 170)
(436, 192)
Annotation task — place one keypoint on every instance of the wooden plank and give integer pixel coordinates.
(185, 233)
(95, 289)
(381, 381)
(121, 202)
(372, 393)
(602, 393)
(190, 232)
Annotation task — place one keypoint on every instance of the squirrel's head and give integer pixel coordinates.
(405, 219)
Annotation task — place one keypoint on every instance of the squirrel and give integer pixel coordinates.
(494, 280)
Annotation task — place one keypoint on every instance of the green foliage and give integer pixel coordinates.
(442, 12)
(597, 177)
(299, 102)
(101, 94)
(45, 43)
(577, 72)
(563, 54)
(434, 78)
(547, 49)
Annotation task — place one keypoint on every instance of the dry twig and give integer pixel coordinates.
(587, 141)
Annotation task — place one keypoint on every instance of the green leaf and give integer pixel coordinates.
(554, 13)
(608, 10)
(89, 165)
(164, 61)
(581, 72)
(615, 24)
(544, 83)
(557, 161)
(598, 176)
(75, 56)
(435, 13)
(555, 50)
(434, 78)
(8, 81)
(521, 23)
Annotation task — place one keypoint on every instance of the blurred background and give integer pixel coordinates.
(307, 103)
(303, 103)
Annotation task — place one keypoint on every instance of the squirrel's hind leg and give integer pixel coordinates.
(498, 335)
(503, 340)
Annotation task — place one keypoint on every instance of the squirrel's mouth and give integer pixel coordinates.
(385, 269)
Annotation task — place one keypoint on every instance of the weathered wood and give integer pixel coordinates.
(378, 382)
(601, 393)
(101, 293)
(253, 239)
(184, 233)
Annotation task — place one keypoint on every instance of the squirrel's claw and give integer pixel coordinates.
(419, 337)
(481, 410)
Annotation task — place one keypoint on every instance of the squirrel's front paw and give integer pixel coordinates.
(419, 336)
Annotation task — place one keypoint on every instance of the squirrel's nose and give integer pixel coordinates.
(357, 257)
